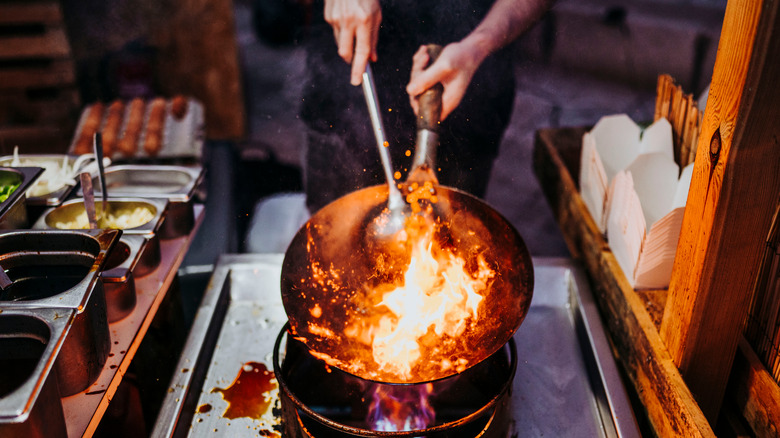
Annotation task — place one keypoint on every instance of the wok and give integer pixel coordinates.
(333, 277)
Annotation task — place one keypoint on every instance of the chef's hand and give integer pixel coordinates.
(454, 69)
(355, 26)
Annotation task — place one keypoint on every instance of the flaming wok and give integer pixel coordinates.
(450, 294)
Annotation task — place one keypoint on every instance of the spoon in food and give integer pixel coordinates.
(89, 199)
(389, 224)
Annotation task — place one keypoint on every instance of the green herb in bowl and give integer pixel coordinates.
(6, 190)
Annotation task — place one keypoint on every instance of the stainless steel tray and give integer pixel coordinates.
(176, 183)
(182, 139)
(13, 211)
(567, 383)
(71, 208)
(33, 408)
(47, 161)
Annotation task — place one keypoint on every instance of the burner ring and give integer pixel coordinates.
(298, 407)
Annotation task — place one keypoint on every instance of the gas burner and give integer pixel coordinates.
(321, 401)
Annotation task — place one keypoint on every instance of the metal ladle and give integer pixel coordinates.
(390, 222)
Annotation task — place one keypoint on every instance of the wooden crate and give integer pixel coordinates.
(632, 318)
(683, 349)
(39, 100)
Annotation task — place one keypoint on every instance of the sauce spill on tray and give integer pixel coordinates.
(250, 393)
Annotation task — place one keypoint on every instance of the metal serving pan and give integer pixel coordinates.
(182, 137)
(30, 340)
(13, 211)
(119, 277)
(47, 161)
(177, 184)
(60, 270)
(69, 212)
(70, 209)
(567, 383)
(126, 262)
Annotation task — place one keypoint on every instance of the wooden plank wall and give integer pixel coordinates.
(735, 186)
(39, 100)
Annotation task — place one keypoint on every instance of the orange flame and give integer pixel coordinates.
(438, 296)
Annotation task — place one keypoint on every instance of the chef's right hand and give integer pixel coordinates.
(355, 26)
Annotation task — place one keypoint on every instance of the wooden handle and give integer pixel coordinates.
(429, 114)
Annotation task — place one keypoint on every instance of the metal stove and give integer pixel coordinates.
(565, 381)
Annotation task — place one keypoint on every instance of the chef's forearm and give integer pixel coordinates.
(506, 20)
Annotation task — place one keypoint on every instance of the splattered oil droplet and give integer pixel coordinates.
(247, 395)
(202, 409)
(397, 175)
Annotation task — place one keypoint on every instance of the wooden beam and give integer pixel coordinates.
(49, 73)
(26, 12)
(50, 42)
(734, 188)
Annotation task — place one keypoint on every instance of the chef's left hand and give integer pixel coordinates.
(454, 69)
(355, 26)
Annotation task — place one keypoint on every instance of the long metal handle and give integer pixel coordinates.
(98, 146)
(89, 199)
(395, 199)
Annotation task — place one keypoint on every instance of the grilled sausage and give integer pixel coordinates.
(113, 124)
(179, 107)
(88, 129)
(135, 120)
(155, 127)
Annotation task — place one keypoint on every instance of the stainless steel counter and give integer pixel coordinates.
(83, 411)
(566, 385)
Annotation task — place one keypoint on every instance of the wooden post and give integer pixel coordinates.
(735, 186)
